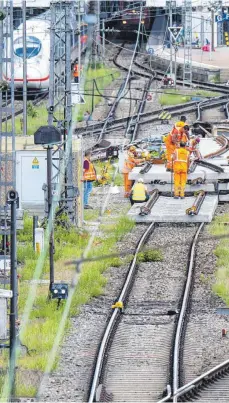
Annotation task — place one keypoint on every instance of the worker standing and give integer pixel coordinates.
(139, 193)
(180, 168)
(183, 134)
(76, 73)
(130, 162)
(89, 176)
(171, 143)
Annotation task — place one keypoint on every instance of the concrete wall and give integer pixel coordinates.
(199, 73)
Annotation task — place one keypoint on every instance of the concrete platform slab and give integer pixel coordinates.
(208, 145)
(158, 172)
(207, 187)
(224, 198)
(167, 209)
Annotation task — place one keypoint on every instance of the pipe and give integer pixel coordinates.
(194, 210)
(146, 209)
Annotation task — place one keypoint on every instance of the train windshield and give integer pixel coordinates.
(33, 47)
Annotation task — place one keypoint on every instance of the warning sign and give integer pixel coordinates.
(35, 163)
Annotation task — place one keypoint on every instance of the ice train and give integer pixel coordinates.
(37, 52)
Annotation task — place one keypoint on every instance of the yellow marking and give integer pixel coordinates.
(35, 161)
(118, 304)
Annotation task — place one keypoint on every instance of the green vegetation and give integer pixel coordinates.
(110, 165)
(103, 77)
(153, 255)
(45, 317)
(38, 115)
(221, 284)
(175, 97)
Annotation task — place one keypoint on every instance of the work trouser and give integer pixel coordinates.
(127, 184)
(180, 179)
(88, 185)
(170, 148)
(138, 201)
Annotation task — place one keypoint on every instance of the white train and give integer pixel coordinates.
(37, 52)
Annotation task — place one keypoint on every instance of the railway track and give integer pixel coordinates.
(152, 117)
(207, 86)
(133, 361)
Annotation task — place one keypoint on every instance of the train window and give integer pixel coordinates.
(33, 47)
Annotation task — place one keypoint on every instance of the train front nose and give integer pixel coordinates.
(33, 77)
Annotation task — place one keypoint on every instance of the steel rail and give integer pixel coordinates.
(222, 150)
(110, 325)
(152, 116)
(123, 87)
(179, 329)
(217, 87)
(199, 381)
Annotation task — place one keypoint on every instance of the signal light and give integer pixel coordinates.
(59, 290)
(124, 22)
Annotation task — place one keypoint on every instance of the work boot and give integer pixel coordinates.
(176, 197)
(87, 207)
(182, 197)
(168, 170)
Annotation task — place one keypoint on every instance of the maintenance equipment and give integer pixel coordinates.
(194, 210)
(146, 209)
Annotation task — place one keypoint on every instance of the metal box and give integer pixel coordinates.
(31, 175)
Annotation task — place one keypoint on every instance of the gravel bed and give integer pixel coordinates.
(71, 380)
(204, 345)
(138, 362)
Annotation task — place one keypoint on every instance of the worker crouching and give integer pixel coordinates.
(129, 163)
(139, 193)
(193, 147)
(180, 160)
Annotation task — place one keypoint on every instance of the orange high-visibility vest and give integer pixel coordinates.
(182, 136)
(171, 138)
(76, 70)
(89, 174)
(180, 160)
(129, 164)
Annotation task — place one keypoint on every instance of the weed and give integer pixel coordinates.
(173, 97)
(153, 255)
(221, 284)
(45, 317)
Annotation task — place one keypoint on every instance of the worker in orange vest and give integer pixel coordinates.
(171, 143)
(183, 135)
(89, 176)
(76, 73)
(180, 160)
(129, 163)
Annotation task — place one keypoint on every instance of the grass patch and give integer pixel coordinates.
(104, 77)
(174, 97)
(38, 115)
(221, 284)
(45, 317)
(153, 255)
